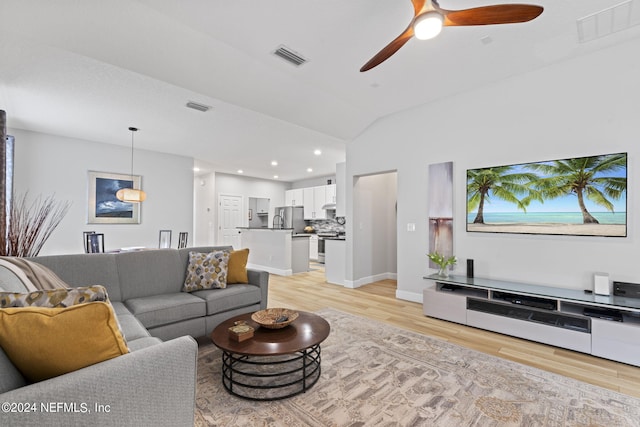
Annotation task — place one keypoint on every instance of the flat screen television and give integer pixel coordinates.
(581, 196)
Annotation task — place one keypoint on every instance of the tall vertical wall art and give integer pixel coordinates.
(440, 199)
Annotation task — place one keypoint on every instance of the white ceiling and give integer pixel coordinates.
(90, 69)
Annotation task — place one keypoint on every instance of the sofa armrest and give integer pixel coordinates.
(260, 278)
(155, 385)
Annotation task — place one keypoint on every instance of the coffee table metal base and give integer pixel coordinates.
(270, 377)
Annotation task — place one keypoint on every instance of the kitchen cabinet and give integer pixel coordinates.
(330, 193)
(313, 247)
(314, 198)
(294, 197)
(262, 206)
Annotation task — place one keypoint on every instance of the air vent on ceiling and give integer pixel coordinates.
(199, 107)
(289, 55)
(606, 21)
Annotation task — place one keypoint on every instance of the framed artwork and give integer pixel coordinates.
(580, 196)
(440, 198)
(165, 239)
(103, 207)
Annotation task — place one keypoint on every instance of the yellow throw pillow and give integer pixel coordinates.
(47, 342)
(237, 269)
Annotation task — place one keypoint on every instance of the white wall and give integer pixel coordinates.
(205, 209)
(584, 106)
(250, 187)
(48, 164)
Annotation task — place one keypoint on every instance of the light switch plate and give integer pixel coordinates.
(411, 227)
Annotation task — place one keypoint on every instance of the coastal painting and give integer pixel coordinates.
(583, 196)
(440, 209)
(103, 207)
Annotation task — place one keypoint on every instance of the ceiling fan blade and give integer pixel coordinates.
(490, 15)
(389, 49)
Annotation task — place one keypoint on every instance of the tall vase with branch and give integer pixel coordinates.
(443, 262)
(29, 225)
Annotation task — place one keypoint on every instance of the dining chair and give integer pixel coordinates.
(95, 243)
(85, 240)
(183, 237)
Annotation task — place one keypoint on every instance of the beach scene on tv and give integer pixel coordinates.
(584, 196)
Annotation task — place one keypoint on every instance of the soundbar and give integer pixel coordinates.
(526, 300)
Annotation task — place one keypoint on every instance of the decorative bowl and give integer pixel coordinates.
(274, 318)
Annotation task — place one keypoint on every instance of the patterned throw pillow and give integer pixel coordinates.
(54, 298)
(206, 271)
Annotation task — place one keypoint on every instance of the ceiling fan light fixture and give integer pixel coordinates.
(428, 25)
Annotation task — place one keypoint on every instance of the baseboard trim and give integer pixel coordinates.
(271, 270)
(409, 296)
(370, 279)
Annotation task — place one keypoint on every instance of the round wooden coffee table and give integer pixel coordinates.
(274, 363)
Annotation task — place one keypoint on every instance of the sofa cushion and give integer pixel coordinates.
(54, 297)
(220, 300)
(144, 343)
(10, 377)
(46, 342)
(206, 271)
(147, 273)
(132, 329)
(238, 266)
(85, 270)
(159, 310)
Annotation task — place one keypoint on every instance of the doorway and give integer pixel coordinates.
(375, 228)
(230, 217)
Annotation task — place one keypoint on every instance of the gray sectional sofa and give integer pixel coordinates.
(155, 383)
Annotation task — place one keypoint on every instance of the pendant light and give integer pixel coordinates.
(131, 195)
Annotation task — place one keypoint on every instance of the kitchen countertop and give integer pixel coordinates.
(265, 228)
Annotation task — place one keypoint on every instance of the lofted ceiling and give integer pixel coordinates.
(89, 69)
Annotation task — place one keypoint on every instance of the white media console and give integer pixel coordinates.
(556, 316)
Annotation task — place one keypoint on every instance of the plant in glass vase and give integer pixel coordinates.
(443, 262)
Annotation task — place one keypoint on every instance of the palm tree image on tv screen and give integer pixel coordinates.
(584, 196)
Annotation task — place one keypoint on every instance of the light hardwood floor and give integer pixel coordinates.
(310, 292)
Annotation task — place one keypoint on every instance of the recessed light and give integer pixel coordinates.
(196, 169)
(275, 176)
(274, 163)
(309, 170)
(317, 152)
(240, 171)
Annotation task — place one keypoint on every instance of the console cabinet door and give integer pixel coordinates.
(444, 305)
(616, 341)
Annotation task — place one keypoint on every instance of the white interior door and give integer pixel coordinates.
(229, 218)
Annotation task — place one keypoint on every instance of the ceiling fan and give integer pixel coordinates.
(429, 18)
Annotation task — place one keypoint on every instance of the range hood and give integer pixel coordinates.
(329, 207)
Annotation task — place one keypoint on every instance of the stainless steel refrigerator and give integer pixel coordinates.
(292, 217)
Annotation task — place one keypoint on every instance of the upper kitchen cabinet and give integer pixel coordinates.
(294, 197)
(314, 199)
(330, 191)
(262, 206)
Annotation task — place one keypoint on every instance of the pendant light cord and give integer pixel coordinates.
(133, 130)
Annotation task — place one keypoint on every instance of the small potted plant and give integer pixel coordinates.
(442, 262)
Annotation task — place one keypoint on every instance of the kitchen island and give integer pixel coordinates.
(276, 250)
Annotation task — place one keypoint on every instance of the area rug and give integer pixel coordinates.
(374, 374)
